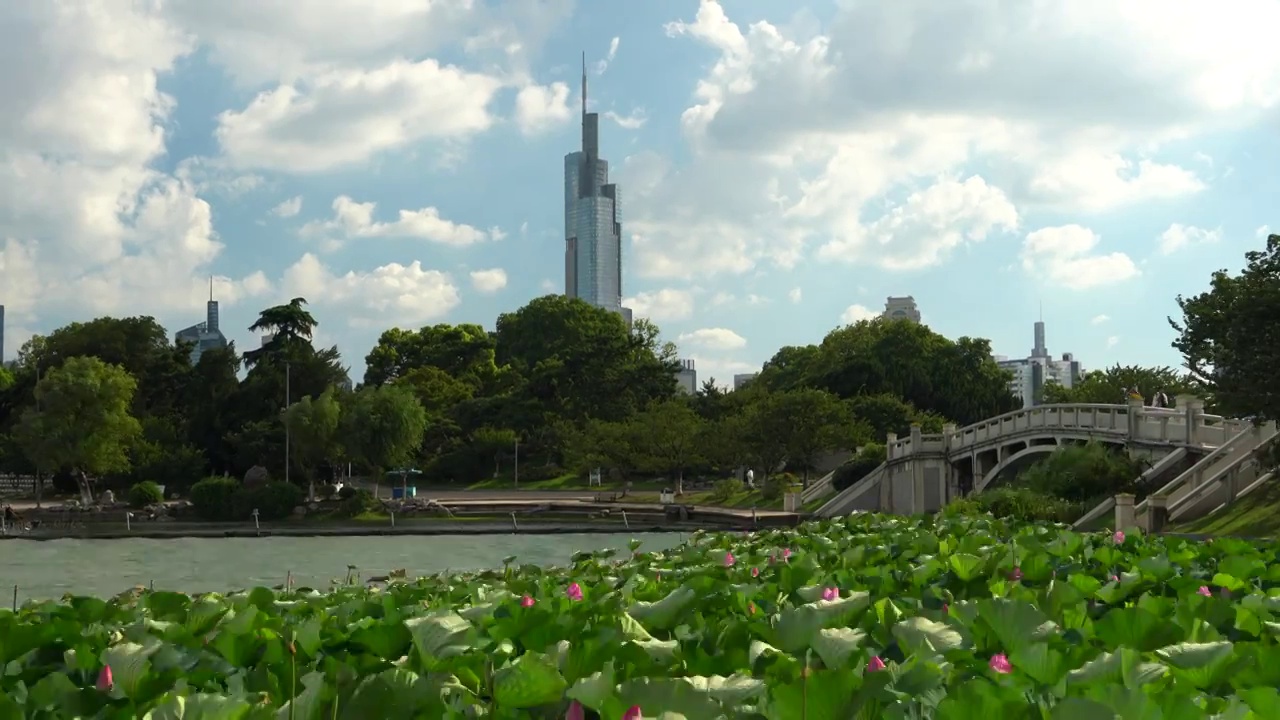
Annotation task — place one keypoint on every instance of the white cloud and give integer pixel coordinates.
(1099, 319)
(604, 63)
(540, 108)
(355, 220)
(88, 224)
(1262, 232)
(389, 295)
(795, 295)
(714, 339)
(1065, 256)
(346, 116)
(798, 134)
(288, 208)
(634, 121)
(489, 281)
(548, 285)
(1113, 341)
(661, 305)
(856, 313)
(1178, 236)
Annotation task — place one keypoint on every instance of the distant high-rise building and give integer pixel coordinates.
(205, 335)
(592, 221)
(742, 379)
(1032, 373)
(901, 308)
(1, 335)
(687, 378)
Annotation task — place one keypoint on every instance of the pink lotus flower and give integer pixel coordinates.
(875, 665)
(830, 593)
(633, 713)
(105, 682)
(773, 558)
(786, 553)
(574, 592)
(729, 559)
(1118, 538)
(946, 609)
(576, 712)
(1000, 663)
(1016, 574)
(526, 601)
(1204, 590)
(1115, 578)
(755, 572)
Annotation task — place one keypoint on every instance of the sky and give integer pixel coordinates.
(784, 167)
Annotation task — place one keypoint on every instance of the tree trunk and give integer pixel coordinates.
(311, 490)
(805, 478)
(679, 482)
(497, 465)
(86, 492)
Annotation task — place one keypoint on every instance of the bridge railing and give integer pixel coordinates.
(1186, 424)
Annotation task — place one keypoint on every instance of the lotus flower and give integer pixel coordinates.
(946, 609)
(1016, 574)
(633, 713)
(1118, 538)
(1204, 590)
(830, 593)
(574, 592)
(786, 553)
(1115, 578)
(1000, 663)
(875, 665)
(105, 682)
(576, 712)
(729, 559)
(755, 572)
(527, 601)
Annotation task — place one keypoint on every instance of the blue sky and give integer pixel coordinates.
(784, 166)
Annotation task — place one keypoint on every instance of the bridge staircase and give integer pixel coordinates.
(925, 471)
(1221, 476)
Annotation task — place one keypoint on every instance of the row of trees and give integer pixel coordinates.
(565, 381)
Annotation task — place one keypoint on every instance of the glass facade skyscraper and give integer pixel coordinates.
(592, 221)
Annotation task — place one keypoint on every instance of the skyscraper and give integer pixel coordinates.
(592, 221)
(206, 335)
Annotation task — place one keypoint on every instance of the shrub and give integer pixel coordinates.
(1018, 504)
(538, 472)
(726, 488)
(326, 492)
(775, 486)
(347, 492)
(214, 498)
(868, 458)
(145, 493)
(273, 501)
(357, 502)
(1083, 473)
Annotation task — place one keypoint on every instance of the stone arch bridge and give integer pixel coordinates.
(925, 471)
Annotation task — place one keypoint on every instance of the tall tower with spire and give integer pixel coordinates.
(205, 335)
(592, 221)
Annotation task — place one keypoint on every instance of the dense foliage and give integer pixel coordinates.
(564, 384)
(865, 617)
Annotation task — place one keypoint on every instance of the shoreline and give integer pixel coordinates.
(434, 528)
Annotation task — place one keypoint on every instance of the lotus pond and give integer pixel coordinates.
(862, 617)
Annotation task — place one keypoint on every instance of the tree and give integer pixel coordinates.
(289, 325)
(884, 414)
(382, 427)
(463, 352)
(819, 422)
(81, 421)
(667, 437)
(1108, 386)
(313, 433)
(6, 379)
(495, 443)
(1229, 336)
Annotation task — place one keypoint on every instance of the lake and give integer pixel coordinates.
(47, 569)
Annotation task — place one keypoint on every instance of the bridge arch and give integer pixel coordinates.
(1020, 457)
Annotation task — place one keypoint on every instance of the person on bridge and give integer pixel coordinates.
(1160, 400)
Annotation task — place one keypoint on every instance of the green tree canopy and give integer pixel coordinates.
(382, 427)
(81, 420)
(463, 352)
(312, 424)
(1229, 335)
(1108, 386)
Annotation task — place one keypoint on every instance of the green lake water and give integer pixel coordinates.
(48, 569)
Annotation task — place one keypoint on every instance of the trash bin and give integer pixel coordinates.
(397, 493)
(411, 491)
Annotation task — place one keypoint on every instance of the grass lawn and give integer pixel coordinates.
(1254, 515)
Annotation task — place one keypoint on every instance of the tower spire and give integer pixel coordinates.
(210, 288)
(584, 82)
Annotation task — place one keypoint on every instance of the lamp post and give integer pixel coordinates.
(287, 378)
(516, 470)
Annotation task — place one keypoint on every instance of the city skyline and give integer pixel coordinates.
(784, 167)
